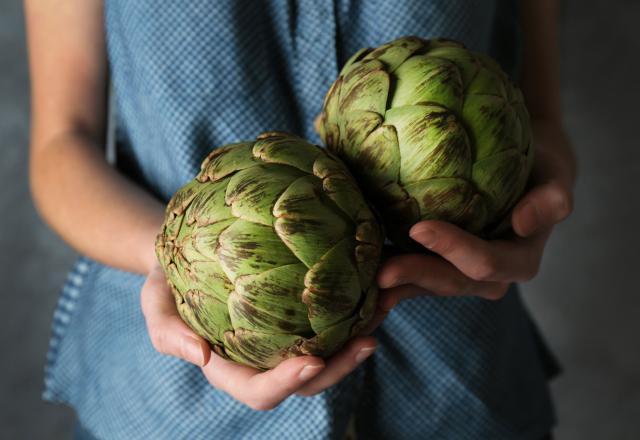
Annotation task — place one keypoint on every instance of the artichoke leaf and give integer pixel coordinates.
(332, 286)
(501, 178)
(208, 206)
(353, 61)
(493, 124)
(287, 151)
(365, 88)
(378, 159)
(226, 160)
(443, 198)
(249, 312)
(432, 142)
(354, 129)
(262, 350)
(424, 79)
(247, 248)
(207, 315)
(209, 277)
(397, 52)
(277, 293)
(468, 65)
(308, 221)
(252, 192)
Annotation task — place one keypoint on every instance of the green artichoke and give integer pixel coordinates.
(432, 131)
(271, 251)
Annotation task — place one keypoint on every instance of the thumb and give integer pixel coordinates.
(541, 208)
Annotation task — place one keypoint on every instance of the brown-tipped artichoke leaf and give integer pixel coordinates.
(252, 192)
(501, 179)
(276, 293)
(339, 186)
(332, 286)
(365, 88)
(425, 79)
(443, 198)
(289, 151)
(203, 241)
(247, 248)
(432, 142)
(227, 160)
(330, 105)
(262, 350)
(206, 314)
(248, 313)
(208, 204)
(178, 279)
(210, 278)
(493, 125)
(331, 339)
(377, 161)
(308, 221)
(487, 82)
(395, 53)
(354, 129)
(467, 63)
(353, 61)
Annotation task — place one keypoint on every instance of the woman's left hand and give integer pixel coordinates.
(464, 264)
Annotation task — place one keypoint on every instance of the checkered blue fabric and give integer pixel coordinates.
(190, 76)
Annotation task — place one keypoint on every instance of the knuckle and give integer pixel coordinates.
(484, 269)
(444, 246)
(456, 286)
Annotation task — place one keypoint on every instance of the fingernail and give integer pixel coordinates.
(309, 371)
(530, 219)
(193, 351)
(364, 353)
(427, 237)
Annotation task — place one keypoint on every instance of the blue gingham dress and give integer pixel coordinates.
(190, 76)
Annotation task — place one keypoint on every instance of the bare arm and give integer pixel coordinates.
(94, 208)
(541, 87)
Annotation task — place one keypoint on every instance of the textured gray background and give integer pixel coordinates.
(586, 298)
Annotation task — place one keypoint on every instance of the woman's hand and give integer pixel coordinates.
(464, 264)
(304, 375)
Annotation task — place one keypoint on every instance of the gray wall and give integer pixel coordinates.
(585, 299)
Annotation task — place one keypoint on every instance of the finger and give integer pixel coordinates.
(517, 259)
(541, 208)
(168, 332)
(262, 390)
(424, 275)
(340, 365)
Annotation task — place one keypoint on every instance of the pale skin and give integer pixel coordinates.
(88, 203)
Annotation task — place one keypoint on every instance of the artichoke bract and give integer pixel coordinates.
(271, 251)
(432, 131)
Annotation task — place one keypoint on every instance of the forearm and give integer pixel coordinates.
(541, 87)
(94, 208)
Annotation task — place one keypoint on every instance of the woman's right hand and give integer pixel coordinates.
(260, 390)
